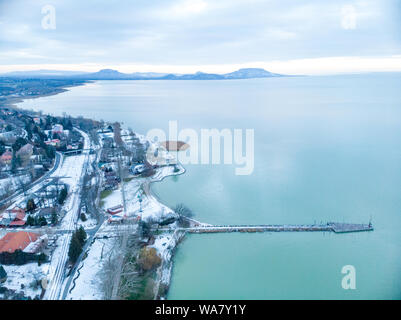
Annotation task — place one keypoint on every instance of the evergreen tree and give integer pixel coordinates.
(63, 195)
(81, 235)
(20, 142)
(28, 130)
(50, 151)
(30, 221)
(42, 222)
(75, 248)
(14, 163)
(54, 219)
(30, 205)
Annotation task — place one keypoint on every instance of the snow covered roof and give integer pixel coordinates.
(34, 247)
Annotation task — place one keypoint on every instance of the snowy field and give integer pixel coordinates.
(113, 199)
(88, 277)
(90, 223)
(24, 278)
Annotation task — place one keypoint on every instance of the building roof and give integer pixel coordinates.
(13, 217)
(17, 223)
(46, 211)
(7, 154)
(16, 210)
(13, 241)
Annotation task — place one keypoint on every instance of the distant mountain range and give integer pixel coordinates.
(109, 74)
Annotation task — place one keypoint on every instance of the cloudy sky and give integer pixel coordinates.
(303, 36)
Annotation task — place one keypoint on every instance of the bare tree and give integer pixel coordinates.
(8, 188)
(21, 183)
(130, 279)
(183, 214)
(126, 270)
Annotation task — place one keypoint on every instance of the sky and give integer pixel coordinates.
(284, 36)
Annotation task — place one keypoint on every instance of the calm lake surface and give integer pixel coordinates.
(326, 149)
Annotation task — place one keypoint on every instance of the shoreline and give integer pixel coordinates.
(164, 271)
(11, 102)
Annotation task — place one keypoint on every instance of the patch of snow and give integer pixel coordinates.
(26, 276)
(88, 281)
(90, 223)
(113, 199)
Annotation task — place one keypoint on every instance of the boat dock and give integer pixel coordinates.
(328, 227)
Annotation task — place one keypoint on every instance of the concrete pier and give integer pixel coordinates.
(330, 227)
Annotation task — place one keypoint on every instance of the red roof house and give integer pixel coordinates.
(6, 157)
(115, 210)
(13, 241)
(13, 218)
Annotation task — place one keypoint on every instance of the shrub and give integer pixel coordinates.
(63, 195)
(148, 259)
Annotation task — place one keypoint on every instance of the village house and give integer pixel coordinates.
(53, 142)
(73, 146)
(46, 212)
(6, 157)
(57, 128)
(111, 183)
(13, 218)
(36, 159)
(38, 245)
(28, 242)
(115, 210)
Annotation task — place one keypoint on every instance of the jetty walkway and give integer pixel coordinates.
(328, 227)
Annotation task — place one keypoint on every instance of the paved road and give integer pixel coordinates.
(88, 243)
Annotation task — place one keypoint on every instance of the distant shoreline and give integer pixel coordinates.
(13, 101)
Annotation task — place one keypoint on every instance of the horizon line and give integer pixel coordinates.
(305, 66)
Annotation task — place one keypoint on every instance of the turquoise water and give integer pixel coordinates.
(326, 148)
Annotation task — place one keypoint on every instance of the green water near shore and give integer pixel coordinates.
(326, 149)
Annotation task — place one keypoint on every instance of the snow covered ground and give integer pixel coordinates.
(112, 200)
(88, 224)
(152, 209)
(24, 278)
(88, 277)
(164, 245)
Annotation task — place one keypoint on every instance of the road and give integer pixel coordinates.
(88, 243)
(74, 167)
(93, 209)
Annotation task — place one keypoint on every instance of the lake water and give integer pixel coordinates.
(326, 149)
